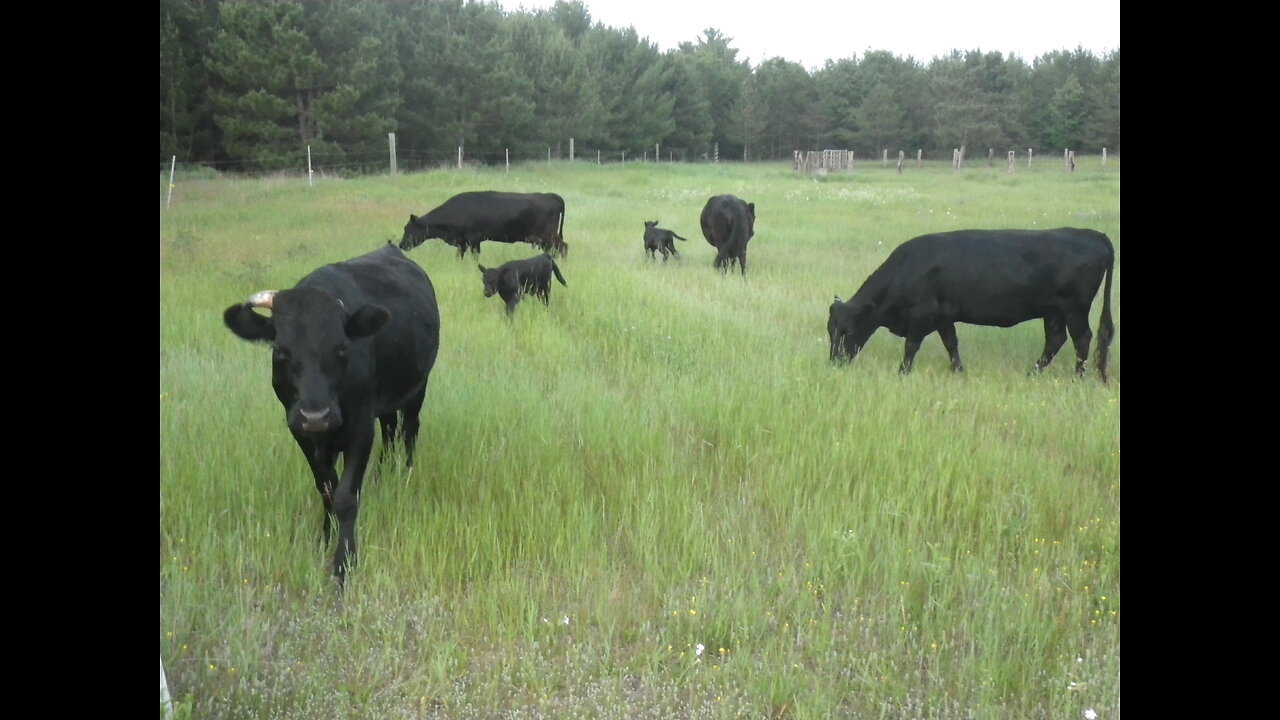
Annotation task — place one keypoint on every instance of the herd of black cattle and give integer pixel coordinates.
(355, 341)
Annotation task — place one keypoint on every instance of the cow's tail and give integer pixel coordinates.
(556, 269)
(679, 238)
(1106, 328)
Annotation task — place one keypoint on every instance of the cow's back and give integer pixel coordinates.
(993, 277)
(726, 220)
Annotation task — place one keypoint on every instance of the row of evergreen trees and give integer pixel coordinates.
(250, 85)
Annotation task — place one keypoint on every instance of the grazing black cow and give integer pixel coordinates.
(512, 280)
(655, 238)
(728, 223)
(352, 342)
(983, 277)
(467, 219)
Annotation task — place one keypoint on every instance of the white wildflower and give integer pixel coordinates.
(564, 620)
(698, 650)
(1090, 714)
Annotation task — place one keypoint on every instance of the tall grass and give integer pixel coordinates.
(654, 498)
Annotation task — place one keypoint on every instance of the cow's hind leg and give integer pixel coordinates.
(1055, 334)
(1081, 336)
(952, 344)
(390, 423)
(411, 423)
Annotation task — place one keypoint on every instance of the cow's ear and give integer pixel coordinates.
(366, 321)
(480, 266)
(752, 208)
(837, 300)
(245, 323)
(413, 218)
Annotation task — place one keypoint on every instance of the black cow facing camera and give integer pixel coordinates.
(513, 279)
(658, 240)
(353, 343)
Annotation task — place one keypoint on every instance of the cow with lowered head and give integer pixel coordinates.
(351, 343)
(660, 240)
(983, 277)
(513, 279)
(728, 223)
(466, 219)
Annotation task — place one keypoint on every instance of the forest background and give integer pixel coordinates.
(267, 86)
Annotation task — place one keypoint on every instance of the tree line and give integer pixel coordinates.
(255, 85)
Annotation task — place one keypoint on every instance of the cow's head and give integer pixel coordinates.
(849, 326)
(312, 335)
(416, 232)
(493, 279)
(751, 220)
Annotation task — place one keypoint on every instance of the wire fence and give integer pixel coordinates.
(409, 160)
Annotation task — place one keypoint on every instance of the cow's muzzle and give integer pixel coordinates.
(316, 421)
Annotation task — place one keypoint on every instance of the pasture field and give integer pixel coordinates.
(655, 498)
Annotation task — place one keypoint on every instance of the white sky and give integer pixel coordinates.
(809, 32)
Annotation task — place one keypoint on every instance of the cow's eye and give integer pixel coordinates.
(341, 352)
(280, 354)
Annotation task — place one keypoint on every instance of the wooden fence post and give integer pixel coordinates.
(919, 158)
(1013, 155)
(1104, 157)
(173, 163)
(1028, 157)
(391, 146)
(166, 703)
(901, 155)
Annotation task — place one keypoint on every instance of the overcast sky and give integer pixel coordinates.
(810, 32)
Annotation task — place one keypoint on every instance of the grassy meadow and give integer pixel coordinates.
(655, 498)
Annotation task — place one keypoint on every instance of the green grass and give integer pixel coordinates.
(663, 458)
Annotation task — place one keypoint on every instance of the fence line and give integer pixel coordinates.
(805, 162)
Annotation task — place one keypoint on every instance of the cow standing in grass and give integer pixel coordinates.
(352, 343)
(728, 223)
(983, 277)
(512, 280)
(467, 219)
(659, 240)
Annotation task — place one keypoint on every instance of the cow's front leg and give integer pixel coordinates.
(346, 503)
(909, 353)
(952, 344)
(321, 460)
